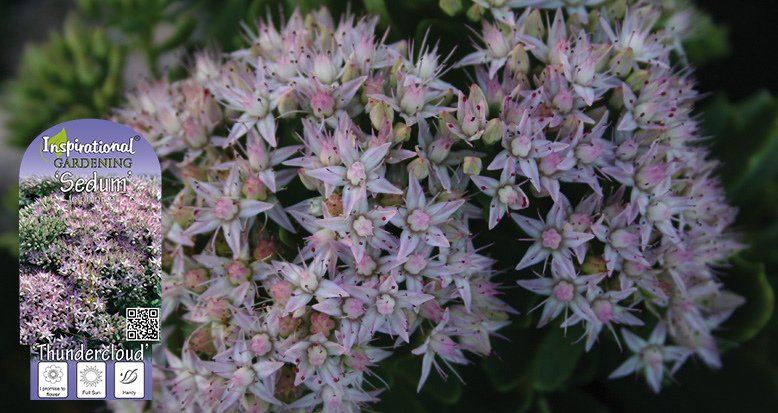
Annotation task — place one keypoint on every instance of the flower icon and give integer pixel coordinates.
(53, 374)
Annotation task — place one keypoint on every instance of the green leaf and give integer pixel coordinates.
(56, 140)
(746, 142)
(378, 7)
(555, 360)
(574, 401)
(180, 35)
(286, 237)
(749, 280)
(760, 169)
(513, 358)
(744, 384)
(444, 391)
(451, 7)
(710, 43)
(400, 399)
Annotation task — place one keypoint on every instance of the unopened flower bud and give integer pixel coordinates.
(627, 150)
(334, 205)
(401, 131)
(601, 54)
(287, 325)
(477, 97)
(439, 150)
(475, 12)
(397, 67)
(321, 323)
(287, 104)
(350, 72)
(621, 64)
(519, 60)
(638, 79)
(594, 265)
(564, 101)
(493, 132)
(451, 7)
(353, 307)
(309, 182)
(265, 249)
(534, 26)
(237, 272)
(380, 114)
(196, 279)
(569, 127)
(392, 200)
(419, 168)
(472, 165)
(254, 188)
(413, 99)
(616, 9)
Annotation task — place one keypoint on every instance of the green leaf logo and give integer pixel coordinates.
(56, 140)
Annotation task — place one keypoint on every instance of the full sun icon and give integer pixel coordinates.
(91, 376)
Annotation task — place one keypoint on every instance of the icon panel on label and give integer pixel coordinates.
(90, 380)
(52, 380)
(129, 380)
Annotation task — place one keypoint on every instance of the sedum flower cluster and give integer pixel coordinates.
(325, 184)
(84, 258)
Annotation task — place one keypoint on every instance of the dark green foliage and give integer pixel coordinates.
(76, 74)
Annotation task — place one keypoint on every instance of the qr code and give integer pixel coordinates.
(142, 324)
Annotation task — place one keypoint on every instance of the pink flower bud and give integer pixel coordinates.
(254, 188)
(322, 105)
(321, 323)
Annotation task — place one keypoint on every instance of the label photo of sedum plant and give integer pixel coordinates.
(84, 258)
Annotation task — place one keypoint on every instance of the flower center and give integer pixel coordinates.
(520, 146)
(658, 211)
(242, 377)
(260, 344)
(317, 355)
(237, 272)
(508, 195)
(419, 220)
(587, 153)
(385, 304)
(363, 226)
(563, 291)
(650, 176)
(366, 266)
(621, 238)
(579, 222)
(633, 268)
(225, 209)
(309, 282)
(356, 173)
(551, 238)
(353, 308)
(415, 264)
(603, 310)
(652, 356)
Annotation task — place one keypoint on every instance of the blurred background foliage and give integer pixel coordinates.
(95, 50)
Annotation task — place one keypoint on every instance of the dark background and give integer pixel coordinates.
(749, 67)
